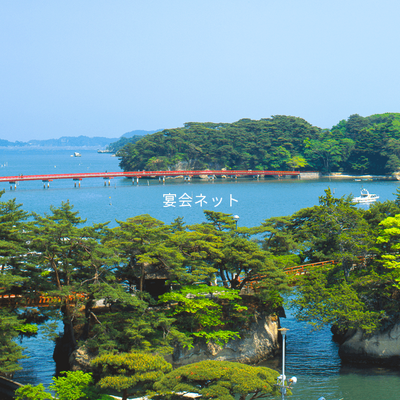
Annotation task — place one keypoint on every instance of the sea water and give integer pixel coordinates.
(312, 356)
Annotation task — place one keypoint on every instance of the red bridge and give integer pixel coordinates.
(146, 174)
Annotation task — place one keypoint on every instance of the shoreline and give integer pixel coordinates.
(339, 175)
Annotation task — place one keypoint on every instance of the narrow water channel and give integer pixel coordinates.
(312, 356)
(39, 366)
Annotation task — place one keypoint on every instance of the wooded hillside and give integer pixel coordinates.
(369, 145)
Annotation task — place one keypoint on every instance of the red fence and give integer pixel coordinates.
(37, 301)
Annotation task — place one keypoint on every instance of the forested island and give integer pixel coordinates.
(358, 145)
(135, 297)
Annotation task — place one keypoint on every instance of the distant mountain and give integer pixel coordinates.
(65, 141)
(70, 141)
(74, 141)
(6, 143)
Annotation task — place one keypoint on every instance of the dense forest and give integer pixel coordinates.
(358, 145)
(168, 285)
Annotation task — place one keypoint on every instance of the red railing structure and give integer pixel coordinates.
(146, 174)
(38, 301)
(302, 269)
(293, 271)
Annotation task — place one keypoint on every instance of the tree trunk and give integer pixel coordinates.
(88, 313)
(67, 314)
(55, 269)
(223, 277)
(141, 283)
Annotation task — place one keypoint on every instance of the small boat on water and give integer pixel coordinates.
(76, 154)
(365, 197)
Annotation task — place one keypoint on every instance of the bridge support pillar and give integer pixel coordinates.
(137, 181)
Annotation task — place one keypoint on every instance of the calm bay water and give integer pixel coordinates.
(311, 356)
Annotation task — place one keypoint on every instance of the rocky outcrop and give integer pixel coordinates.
(258, 343)
(80, 359)
(382, 348)
(62, 351)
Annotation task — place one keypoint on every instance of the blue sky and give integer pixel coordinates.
(103, 68)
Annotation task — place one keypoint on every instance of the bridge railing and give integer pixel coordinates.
(302, 269)
(37, 301)
(252, 284)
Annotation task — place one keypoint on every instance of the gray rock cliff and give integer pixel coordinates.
(258, 343)
(382, 348)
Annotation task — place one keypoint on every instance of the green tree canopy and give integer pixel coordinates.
(72, 385)
(130, 372)
(200, 312)
(390, 238)
(142, 245)
(270, 143)
(356, 291)
(13, 248)
(221, 380)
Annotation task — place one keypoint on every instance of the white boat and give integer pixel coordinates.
(76, 154)
(365, 197)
